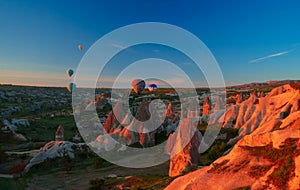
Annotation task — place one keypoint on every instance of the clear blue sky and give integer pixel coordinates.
(251, 40)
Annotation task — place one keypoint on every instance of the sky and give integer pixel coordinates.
(251, 40)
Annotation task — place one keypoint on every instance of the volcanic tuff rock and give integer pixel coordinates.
(206, 106)
(219, 104)
(60, 133)
(268, 154)
(15, 123)
(54, 149)
(239, 98)
(251, 113)
(129, 131)
(183, 148)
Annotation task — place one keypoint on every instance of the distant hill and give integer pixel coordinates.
(272, 83)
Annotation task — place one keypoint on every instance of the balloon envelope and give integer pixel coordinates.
(70, 72)
(80, 47)
(152, 87)
(138, 85)
(71, 86)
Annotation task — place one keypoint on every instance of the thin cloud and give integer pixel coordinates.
(269, 56)
(120, 46)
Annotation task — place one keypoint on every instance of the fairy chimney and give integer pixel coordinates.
(239, 98)
(60, 133)
(169, 111)
(207, 106)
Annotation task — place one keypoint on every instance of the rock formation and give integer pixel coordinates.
(267, 156)
(251, 113)
(219, 104)
(54, 149)
(60, 133)
(169, 111)
(183, 148)
(206, 106)
(12, 127)
(261, 94)
(128, 131)
(15, 123)
(239, 98)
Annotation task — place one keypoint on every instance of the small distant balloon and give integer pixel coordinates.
(80, 47)
(152, 87)
(70, 72)
(138, 85)
(71, 86)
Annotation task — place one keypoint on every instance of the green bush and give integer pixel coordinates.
(96, 183)
(22, 156)
(213, 153)
(68, 164)
(97, 162)
(17, 168)
(282, 158)
(3, 156)
(283, 173)
(216, 151)
(136, 145)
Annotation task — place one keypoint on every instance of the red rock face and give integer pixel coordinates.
(267, 156)
(169, 111)
(110, 122)
(206, 106)
(183, 157)
(239, 98)
(131, 131)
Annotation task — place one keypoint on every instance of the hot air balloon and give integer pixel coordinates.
(69, 72)
(138, 85)
(71, 86)
(80, 47)
(152, 87)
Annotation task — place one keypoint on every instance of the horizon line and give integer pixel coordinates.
(58, 86)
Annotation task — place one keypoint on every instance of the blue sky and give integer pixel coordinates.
(251, 40)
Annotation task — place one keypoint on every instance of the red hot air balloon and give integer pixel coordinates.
(80, 47)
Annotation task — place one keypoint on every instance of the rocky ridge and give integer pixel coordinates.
(267, 156)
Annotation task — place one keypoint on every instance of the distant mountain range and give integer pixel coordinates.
(272, 83)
